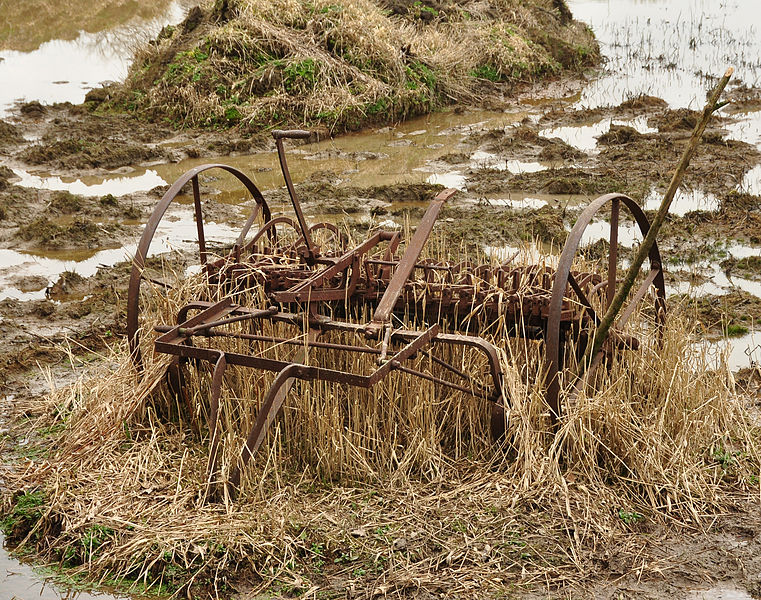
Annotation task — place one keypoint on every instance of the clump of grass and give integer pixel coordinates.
(343, 65)
(62, 233)
(398, 489)
(65, 202)
(22, 517)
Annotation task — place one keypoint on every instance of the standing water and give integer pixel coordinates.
(672, 49)
(46, 58)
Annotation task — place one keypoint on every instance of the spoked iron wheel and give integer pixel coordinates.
(260, 213)
(594, 297)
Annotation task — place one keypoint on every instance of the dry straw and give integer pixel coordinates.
(344, 64)
(397, 489)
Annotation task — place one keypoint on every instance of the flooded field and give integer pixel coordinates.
(527, 156)
(97, 47)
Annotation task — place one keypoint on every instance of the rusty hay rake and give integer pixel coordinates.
(313, 283)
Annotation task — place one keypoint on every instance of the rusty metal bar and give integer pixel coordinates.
(199, 220)
(279, 135)
(216, 391)
(269, 409)
(407, 263)
(613, 249)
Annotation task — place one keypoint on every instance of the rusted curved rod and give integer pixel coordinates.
(283, 382)
(138, 263)
(563, 278)
(269, 409)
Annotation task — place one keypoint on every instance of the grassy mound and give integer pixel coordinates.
(344, 64)
(394, 491)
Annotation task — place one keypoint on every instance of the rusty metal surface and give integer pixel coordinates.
(303, 282)
(564, 277)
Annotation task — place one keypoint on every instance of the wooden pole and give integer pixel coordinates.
(618, 300)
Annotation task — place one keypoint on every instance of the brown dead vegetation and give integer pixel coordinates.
(389, 491)
(344, 65)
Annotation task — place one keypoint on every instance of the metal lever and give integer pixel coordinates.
(406, 264)
(294, 134)
(312, 251)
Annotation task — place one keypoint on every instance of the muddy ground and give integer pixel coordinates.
(81, 317)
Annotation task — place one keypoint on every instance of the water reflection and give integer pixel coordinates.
(751, 183)
(487, 160)
(684, 201)
(746, 128)
(117, 185)
(18, 581)
(25, 26)
(62, 70)
(584, 136)
(670, 48)
(177, 232)
(628, 233)
(739, 353)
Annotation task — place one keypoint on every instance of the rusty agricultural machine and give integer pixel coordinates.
(313, 282)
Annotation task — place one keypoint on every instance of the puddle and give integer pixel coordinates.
(628, 233)
(63, 70)
(713, 280)
(743, 352)
(174, 233)
(93, 186)
(737, 250)
(372, 158)
(453, 179)
(584, 137)
(531, 253)
(747, 128)
(751, 183)
(487, 160)
(526, 203)
(684, 201)
(690, 288)
(18, 581)
(666, 48)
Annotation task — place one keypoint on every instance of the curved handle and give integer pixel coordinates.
(294, 134)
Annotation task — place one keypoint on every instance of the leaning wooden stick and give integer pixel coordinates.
(618, 300)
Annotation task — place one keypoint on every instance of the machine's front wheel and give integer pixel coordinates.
(592, 297)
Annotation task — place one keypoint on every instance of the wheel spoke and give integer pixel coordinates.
(138, 276)
(613, 250)
(199, 220)
(582, 297)
(601, 293)
(249, 223)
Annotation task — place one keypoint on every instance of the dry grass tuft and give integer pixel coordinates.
(398, 490)
(342, 65)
